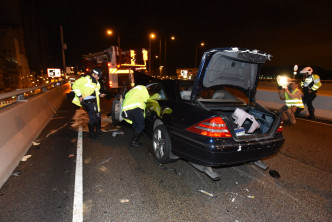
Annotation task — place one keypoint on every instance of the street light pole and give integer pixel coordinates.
(63, 46)
(159, 59)
(119, 40)
(172, 38)
(165, 57)
(152, 36)
(109, 32)
(149, 56)
(202, 44)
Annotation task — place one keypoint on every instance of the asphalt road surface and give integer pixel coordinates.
(120, 183)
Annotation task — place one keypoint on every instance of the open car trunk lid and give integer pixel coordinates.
(233, 67)
(239, 69)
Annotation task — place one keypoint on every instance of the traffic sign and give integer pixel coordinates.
(53, 72)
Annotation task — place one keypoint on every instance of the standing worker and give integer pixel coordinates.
(133, 111)
(87, 95)
(310, 84)
(292, 96)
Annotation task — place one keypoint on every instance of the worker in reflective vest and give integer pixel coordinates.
(87, 95)
(293, 98)
(133, 111)
(310, 84)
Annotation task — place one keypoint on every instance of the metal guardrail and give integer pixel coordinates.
(274, 80)
(22, 94)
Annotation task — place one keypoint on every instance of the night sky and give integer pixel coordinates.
(294, 32)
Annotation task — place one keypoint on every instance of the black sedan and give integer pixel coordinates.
(213, 120)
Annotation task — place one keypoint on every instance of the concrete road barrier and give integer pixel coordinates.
(22, 122)
(322, 103)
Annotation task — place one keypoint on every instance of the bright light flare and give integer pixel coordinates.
(282, 81)
(109, 32)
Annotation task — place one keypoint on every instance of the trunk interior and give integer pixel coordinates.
(249, 121)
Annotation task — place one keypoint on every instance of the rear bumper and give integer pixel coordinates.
(229, 153)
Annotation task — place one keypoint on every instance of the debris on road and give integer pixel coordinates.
(206, 193)
(274, 173)
(56, 130)
(35, 143)
(105, 161)
(124, 201)
(26, 157)
(117, 132)
(16, 174)
(261, 164)
(167, 168)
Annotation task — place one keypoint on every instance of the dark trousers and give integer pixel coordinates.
(137, 116)
(307, 99)
(92, 109)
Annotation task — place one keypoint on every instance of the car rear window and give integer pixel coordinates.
(222, 95)
(213, 94)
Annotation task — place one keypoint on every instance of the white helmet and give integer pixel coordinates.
(307, 70)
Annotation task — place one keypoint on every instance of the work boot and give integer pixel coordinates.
(135, 142)
(98, 129)
(311, 113)
(92, 134)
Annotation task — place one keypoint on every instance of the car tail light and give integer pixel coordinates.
(281, 127)
(213, 127)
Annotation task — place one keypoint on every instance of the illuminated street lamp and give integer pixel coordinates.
(151, 36)
(202, 44)
(109, 32)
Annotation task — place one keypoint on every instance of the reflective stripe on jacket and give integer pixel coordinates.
(85, 87)
(312, 79)
(294, 101)
(135, 98)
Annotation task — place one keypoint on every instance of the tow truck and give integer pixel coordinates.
(119, 67)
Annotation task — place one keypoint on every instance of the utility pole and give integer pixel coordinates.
(159, 57)
(64, 47)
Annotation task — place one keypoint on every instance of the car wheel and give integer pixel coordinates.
(162, 145)
(116, 110)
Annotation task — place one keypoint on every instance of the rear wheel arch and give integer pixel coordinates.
(156, 123)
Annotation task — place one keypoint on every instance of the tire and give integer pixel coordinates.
(116, 109)
(161, 144)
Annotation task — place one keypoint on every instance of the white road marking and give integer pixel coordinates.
(78, 192)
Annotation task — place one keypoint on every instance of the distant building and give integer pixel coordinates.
(14, 67)
(186, 73)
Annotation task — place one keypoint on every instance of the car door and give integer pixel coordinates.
(153, 109)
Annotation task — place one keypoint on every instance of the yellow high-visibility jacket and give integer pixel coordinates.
(312, 78)
(295, 99)
(85, 87)
(135, 98)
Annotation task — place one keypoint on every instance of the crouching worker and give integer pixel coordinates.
(87, 95)
(133, 111)
(293, 98)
